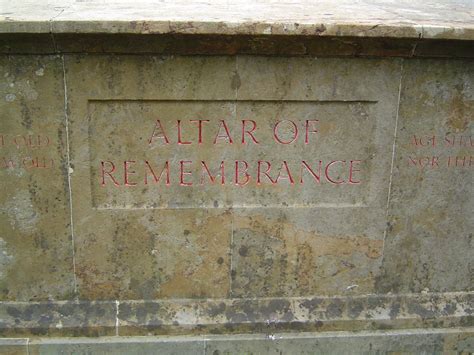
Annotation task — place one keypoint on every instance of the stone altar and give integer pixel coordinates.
(242, 178)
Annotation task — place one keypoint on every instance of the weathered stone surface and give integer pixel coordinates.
(411, 342)
(383, 18)
(119, 151)
(266, 315)
(178, 253)
(431, 341)
(36, 260)
(429, 242)
(61, 318)
(14, 346)
(236, 177)
(118, 346)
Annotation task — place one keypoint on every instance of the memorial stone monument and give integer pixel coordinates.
(236, 177)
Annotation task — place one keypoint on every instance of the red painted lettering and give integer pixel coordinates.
(8, 163)
(328, 177)
(237, 173)
(127, 173)
(180, 141)
(317, 176)
(352, 169)
(199, 122)
(158, 134)
(288, 176)
(205, 169)
(278, 139)
(156, 179)
(103, 172)
(225, 136)
(266, 172)
(183, 173)
(307, 126)
(249, 132)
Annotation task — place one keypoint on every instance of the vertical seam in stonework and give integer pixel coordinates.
(231, 251)
(51, 30)
(117, 304)
(236, 68)
(27, 346)
(69, 169)
(393, 156)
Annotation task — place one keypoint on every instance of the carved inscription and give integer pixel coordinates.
(449, 151)
(242, 173)
(26, 152)
(164, 154)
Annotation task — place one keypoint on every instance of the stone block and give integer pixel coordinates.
(36, 255)
(429, 243)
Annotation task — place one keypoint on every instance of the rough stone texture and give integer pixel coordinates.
(118, 346)
(430, 341)
(295, 28)
(14, 346)
(266, 315)
(106, 215)
(429, 244)
(63, 318)
(412, 342)
(35, 247)
(377, 236)
(382, 18)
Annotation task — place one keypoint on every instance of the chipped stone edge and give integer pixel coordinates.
(335, 29)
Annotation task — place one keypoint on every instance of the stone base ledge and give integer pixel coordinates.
(456, 340)
(218, 316)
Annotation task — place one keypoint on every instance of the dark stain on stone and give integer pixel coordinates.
(14, 312)
(334, 310)
(125, 310)
(318, 324)
(236, 83)
(311, 304)
(449, 309)
(236, 318)
(458, 119)
(215, 310)
(394, 310)
(25, 115)
(45, 320)
(355, 308)
(416, 308)
(243, 250)
(320, 29)
(220, 260)
(374, 302)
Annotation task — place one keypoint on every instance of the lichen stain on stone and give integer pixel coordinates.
(5, 258)
(201, 265)
(21, 212)
(460, 113)
(236, 83)
(162, 260)
(277, 259)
